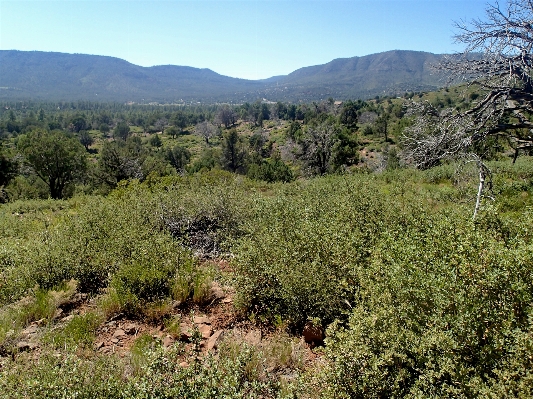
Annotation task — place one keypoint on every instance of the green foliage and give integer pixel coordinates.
(348, 115)
(178, 157)
(271, 170)
(121, 131)
(158, 374)
(304, 249)
(155, 141)
(149, 276)
(57, 158)
(78, 333)
(233, 152)
(444, 308)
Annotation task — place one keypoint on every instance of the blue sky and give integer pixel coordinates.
(247, 39)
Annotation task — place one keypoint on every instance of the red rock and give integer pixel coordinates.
(215, 340)
(201, 320)
(168, 341)
(185, 332)
(205, 330)
(130, 328)
(119, 333)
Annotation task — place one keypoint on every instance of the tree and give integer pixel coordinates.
(78, 123)
(122, 131)
(348, 115)
(317, 146)
(206, 130)
(233, 152)
(121, 160)
(178, 157)
(226, 116)
(86, 139)
(172, 131)
(161, 124)
(56, 157)
(498, 62)
(8, 170)
(155, 141)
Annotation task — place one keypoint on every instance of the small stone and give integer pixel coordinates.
(253, 337)
(119, 333)
(201, 320)
(205, 330)
(168, 341)
(40, 322)
(184, 364)
(26, 346)
(67, 318)
(114, 340)
(99, 345)
(185, 332)
(30, 330)
(58, 313)
(215, 339)
(216, 291)
(130, 328)
(227, 300)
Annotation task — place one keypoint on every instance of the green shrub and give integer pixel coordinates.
(305, 248)
(78, 333)
(444, 309)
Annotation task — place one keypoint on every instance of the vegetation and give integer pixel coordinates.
(173, 251)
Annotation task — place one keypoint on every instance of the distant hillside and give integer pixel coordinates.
(59, 76)
(389, 73)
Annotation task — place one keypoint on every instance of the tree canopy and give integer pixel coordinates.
(56, 157)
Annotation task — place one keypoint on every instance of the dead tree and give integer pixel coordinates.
(497, 62)
(206, 130)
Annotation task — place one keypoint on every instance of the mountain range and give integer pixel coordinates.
(66, 77)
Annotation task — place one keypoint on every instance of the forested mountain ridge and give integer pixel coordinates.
(60, 76)
(388, 73)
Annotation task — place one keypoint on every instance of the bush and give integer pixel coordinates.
(445, 307)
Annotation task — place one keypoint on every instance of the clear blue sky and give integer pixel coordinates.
(246, 39)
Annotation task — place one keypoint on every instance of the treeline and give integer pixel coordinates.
(263, 140)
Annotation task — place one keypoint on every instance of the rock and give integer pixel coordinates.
(99, 345)
(205, 330)
(313, 334)
(114, 340)
(26, 346)
(58, 313)
(30, 330)
(216, 291)
(215, 339)
(67, 318)
(201, 320)
(253, 337)
(168, 341)
(184, 364)
(119, 333)
(130, 328)
(227, 299)
(185, 332)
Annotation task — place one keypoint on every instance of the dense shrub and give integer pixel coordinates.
(444, 310)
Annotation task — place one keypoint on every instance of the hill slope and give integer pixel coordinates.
(59, 76)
